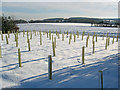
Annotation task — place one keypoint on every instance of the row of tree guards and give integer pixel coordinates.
(54, 45)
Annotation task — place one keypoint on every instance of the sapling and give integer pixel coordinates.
(101, 72)
(23, 33)
(103, 37)
(106, 43)
(83, 53)
(94, 33)
(74, 37)
(96, 37)
(52, 38)
(27, 38)
(53, 46)
(107, 34)
(16, 42)
(71, 36)
(55, 41)
(27, 33)
(87, 42)
(117, 38)
(28, 44)
(50, 67)
(15, 37)
(82, 36)
(19, 57)
(1, 36)
(58, 35)
(67, 33)
(47, 34)
(8, 34)
(40, 39)
(69, 39)
(62, 37)
(93, 38)
(93, 47)
(6, 39)
(88, 35)
(31, 36)
(56, 32)
(77, 34)
(113, 39)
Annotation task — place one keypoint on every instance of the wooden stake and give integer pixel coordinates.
(1, 36)
(117, 37)
(93, 47)
(58, 35)
(87, 42)
(56, 32)
(31, 36)
(77, 34)
(69, 39)
(103, 37)
(113, 40)
(16, 42)
(19, 57)
(8, 34)
(50, 67)
(93, 38)
(82, 36)
(74, 37)
(23, 33)
(67, 33)
(28, 44)
(40, 39)
(101, 79)
(53, 44)
(52, 38)
(96, 37)
(55, 41)
(106, 43)
(83, 53)
(107, 34)
(47, 34)
(6, 39)
(62, 37)
(88, 35)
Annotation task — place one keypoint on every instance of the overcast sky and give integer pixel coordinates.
(41, 10)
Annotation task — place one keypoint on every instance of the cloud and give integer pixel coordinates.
(60, 1)
(61, 9)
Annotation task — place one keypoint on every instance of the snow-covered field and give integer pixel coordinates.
(68, 70)
(68, 27)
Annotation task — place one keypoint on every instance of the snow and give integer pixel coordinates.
(68, 27)
(68, 70)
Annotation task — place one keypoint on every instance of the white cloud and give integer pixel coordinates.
(92, 9)
(60, 0)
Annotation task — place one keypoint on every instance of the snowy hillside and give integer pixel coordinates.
(67, 68)
(68, 27)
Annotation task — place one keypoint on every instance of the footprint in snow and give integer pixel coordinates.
(78, 60)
